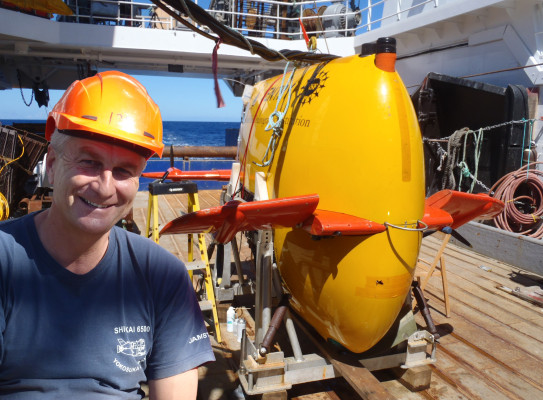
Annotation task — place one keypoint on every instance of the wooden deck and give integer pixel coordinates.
(490, 347)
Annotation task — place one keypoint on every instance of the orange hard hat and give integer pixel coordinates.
(111, 104)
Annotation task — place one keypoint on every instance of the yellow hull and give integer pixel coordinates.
(350, 135)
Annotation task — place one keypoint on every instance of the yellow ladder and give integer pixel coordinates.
(191, 189)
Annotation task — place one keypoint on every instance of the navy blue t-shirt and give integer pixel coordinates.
(99, 335)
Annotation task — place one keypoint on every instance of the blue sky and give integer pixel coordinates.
(179, 99)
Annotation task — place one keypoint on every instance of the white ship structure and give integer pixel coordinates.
(453, 37)
(490, 42)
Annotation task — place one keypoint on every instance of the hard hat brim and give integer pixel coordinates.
(65, 122)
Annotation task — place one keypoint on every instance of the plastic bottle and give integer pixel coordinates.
(241, 327)
(230, 315)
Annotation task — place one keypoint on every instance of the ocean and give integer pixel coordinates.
(181, 133)
(186, 133)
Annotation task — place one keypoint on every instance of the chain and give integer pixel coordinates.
(21, 89)
(489, 128)
(467, 174)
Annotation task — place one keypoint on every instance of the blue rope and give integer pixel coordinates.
(529, 147)
(523, 139)
(530, 132)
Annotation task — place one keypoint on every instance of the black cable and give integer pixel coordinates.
(21, 89)
(234, 38)
(178, 17)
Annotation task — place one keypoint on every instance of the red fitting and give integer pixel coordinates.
(386, 61)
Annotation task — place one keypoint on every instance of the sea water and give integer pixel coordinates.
(191, 133)
(183, 133)
(179, 133)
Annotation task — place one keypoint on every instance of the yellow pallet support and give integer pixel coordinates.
(191, 189)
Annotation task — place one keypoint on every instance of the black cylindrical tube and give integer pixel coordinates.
(275, 323)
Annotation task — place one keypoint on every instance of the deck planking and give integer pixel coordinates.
(490, 348)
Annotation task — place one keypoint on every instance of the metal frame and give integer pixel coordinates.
(266, 372)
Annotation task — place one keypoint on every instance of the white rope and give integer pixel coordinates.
(275, 120)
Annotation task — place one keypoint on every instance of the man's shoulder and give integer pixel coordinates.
(15, 229)
(15, 238)
(133, 239)
(5, 233)
(13, 224)
(123, 234)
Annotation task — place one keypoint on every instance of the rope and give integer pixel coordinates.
(15, 159)
(449, 159)
(214, 67)
(478, 138)
(405, 228)
(276, 118)
(453, 145)
(531, 123)
(523, 198)
(4, 205)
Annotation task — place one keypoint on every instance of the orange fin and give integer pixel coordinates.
(178, 175)
(236, 216)
(452, 208)
(330, 223)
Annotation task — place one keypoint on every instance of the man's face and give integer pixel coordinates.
(94, 182)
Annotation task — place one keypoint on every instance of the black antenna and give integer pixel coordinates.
(171, 165)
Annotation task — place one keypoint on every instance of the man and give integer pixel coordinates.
(88, 310)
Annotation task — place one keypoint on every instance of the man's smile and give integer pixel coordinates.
(90, 203)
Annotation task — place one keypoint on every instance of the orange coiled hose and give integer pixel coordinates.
(522, 193)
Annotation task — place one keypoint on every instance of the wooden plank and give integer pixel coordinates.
(501, 345)
(491, 301)
(281, 395)
(498, 305)
(433, 241)
(470, 385)
(363, 381)
(396, 389)
(473, 279)
(471, 257)
(416, 378)
(509, 380)
(444, 389)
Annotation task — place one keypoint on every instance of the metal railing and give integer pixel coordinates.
(260, 18)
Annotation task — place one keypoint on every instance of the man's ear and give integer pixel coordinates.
(49, 163)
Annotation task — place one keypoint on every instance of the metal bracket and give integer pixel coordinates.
(259, 375)
(416, 350)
